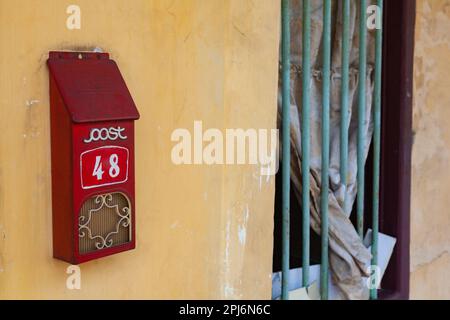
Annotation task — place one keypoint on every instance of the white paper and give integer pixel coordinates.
(386, 246)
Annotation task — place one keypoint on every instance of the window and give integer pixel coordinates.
(396, 136)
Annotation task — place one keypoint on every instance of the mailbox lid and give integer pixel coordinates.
(91, 87)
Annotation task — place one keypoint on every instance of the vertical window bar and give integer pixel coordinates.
(377, 140)
(344, 98)
(325, 145)
(286, 161)
(361, 114)
(306, 86)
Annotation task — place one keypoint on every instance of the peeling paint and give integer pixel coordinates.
(431, 152)
(242, 228)
(32, 102)
(242, 233)
(227, 289)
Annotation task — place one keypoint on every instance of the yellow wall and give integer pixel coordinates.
(430, 213)
(187, 60)
(183, 60)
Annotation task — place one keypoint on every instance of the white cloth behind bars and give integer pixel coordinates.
(348, 256)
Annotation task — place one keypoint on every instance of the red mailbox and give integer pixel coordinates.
(92, 136)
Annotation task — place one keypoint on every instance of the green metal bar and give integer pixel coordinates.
(361, 114)
(306, 86)
(377, 143)
(286, 161)
(326, 71)
(344, 97)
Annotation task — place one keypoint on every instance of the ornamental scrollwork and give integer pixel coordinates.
(101, 241)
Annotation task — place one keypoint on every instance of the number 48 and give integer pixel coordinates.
(114, 170)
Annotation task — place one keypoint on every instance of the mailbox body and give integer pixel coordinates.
(92, 137)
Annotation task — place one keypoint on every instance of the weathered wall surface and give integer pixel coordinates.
(202, 232)
(430, 213)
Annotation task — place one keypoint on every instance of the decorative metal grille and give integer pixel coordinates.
(104, 222)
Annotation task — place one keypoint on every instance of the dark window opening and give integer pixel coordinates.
(398, 54)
